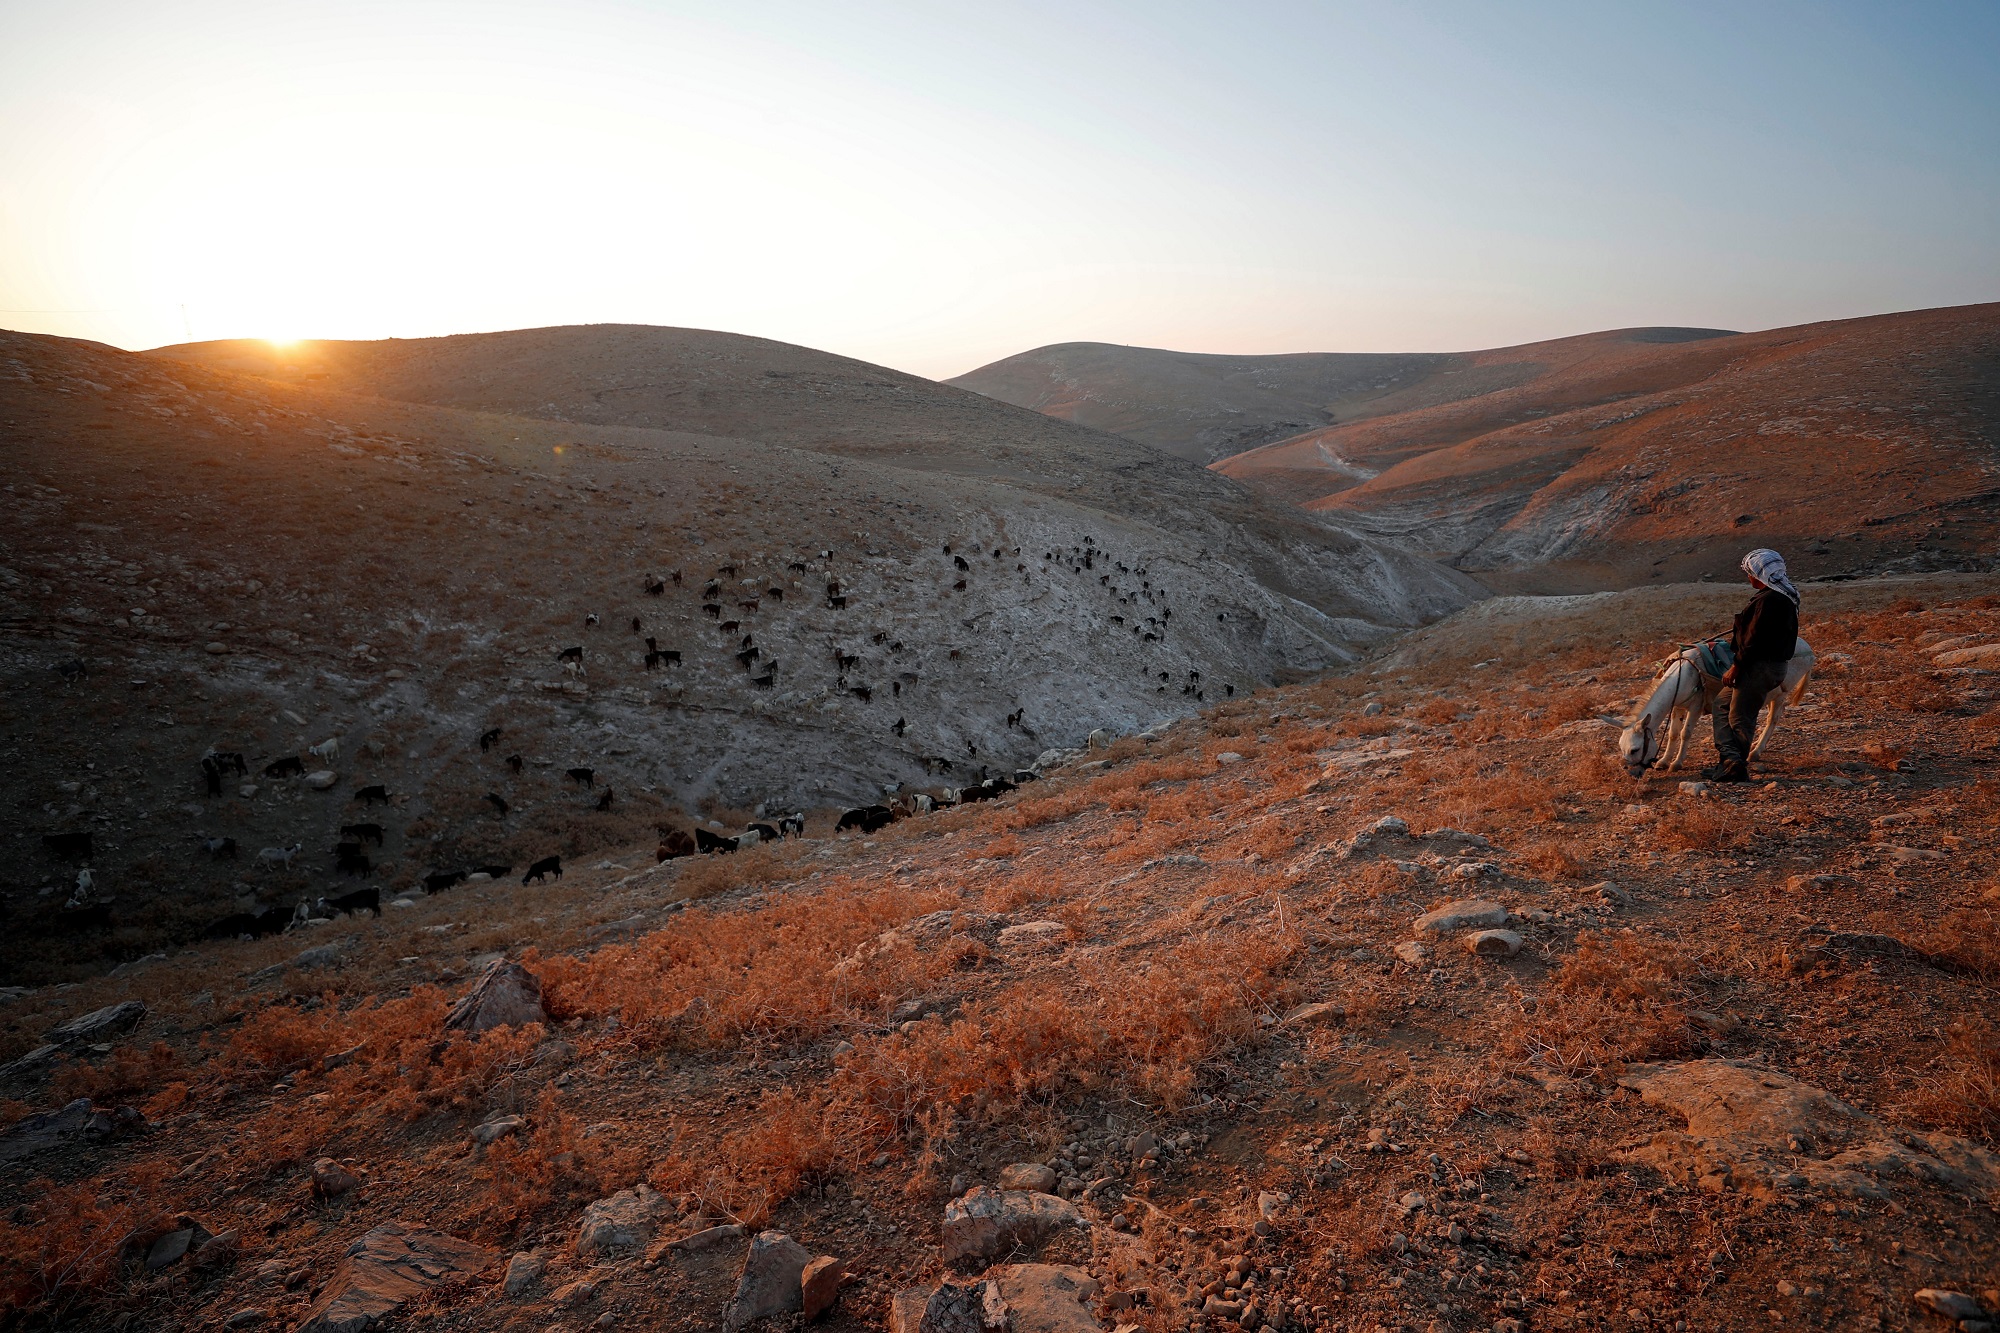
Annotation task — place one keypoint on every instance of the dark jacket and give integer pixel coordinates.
(1767, 630)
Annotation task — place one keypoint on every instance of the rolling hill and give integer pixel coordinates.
(1205, 407)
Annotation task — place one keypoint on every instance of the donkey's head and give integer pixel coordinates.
(1639, 746)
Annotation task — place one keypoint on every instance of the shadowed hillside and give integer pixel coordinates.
(200, 558)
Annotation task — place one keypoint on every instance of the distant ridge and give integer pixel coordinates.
(1205, 406)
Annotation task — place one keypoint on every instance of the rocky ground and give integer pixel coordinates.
(1382, 1000)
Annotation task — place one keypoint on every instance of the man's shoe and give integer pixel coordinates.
(1733, 773)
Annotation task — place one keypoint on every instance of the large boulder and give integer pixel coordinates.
(506, 995)
(1016, 1298)
(1756, 1131)
(386, 1268)
(984, 1223)
(1465, 914)
(621, 1222)
(110, 1021)
(769, 1283)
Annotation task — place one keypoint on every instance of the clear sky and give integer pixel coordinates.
(939, 183)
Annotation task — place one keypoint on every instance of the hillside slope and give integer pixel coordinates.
(1729, 1064)
(1852, 445)
(1206, 407)
(256, 566)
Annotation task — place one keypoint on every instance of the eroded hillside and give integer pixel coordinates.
(1854, 446)
(201, 559)
(1385, 1000)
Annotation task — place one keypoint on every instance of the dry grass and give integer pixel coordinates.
(1962, 1093)
(1614, 1000)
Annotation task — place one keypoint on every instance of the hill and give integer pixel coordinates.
(1206, 407)
(1854, 446)
(202, 558)
(1698, 1057)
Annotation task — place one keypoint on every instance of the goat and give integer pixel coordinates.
(254, 925)
(362, 832)
(604, 801)
(493, 799)
(746, 657)
(571, 655)
(768, 680)
(862, 692)
(440, 880)
(590, 621)
(212, 776)
(657, 588)
(327, 751)
(228, 759)
(713, 610)
(959, 560)
(540, 870)
(708, 843)
(674, 844)
(495, 871)
(370, 795)
(361, 900)
(280, 856)
(775, 594)
(867, 818)
(730, 626)
(488, 739)
(514, 762)
(900, 727)
(836, 603)
(288, 767)
(727, 571)
(764, 832)
(797, 566)
(352, 862)
(636, 626)
(583, 777)
(793, 825)
(84, 892)
(72, 670)
(219, 849)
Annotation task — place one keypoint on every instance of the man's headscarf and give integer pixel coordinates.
(1768, 568)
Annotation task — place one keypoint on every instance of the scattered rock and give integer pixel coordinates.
(330, 1179)
(572, 1294)
(506, 995)
(523, 1270)
(1033, 1177)
(1472, 870)
(322, 779)
(248, 1317)
(1046, 1298)
(1033, 935)
(95, 1026)
(983, 1223)
(617, 930)
(1412, 952)
(819, 1285)
(1372, 710)
(1464, 914)
(38, 1133)
(385, 1268)
(1695, 788)
(707, 1240)
(1951, 1304)
(1493, 943)
(1229, 757)
(1756, 1131)
(624, 1220)
(173, 1247)
(320, 955)
(494, 1130)
(215, 1251)
(1322, 1014)
(1985, 655)
(770, 1281)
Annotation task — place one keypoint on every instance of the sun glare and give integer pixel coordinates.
(282, 344)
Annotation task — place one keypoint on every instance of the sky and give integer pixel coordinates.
(936, 185)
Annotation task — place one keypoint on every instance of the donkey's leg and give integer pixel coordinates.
(1777, 711)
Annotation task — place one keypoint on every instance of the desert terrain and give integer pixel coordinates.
(1385, 1000)
(851, 599)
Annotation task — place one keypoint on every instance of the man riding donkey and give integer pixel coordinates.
(1762, 639)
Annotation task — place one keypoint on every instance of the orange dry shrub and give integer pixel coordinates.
(1968, 939)
(714, 978)
(1148, 1033)
(524, 1175)
(1611, 1001)
(128, 1070)
(66, 1253)
(1695, 826)
(1963, 1095)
